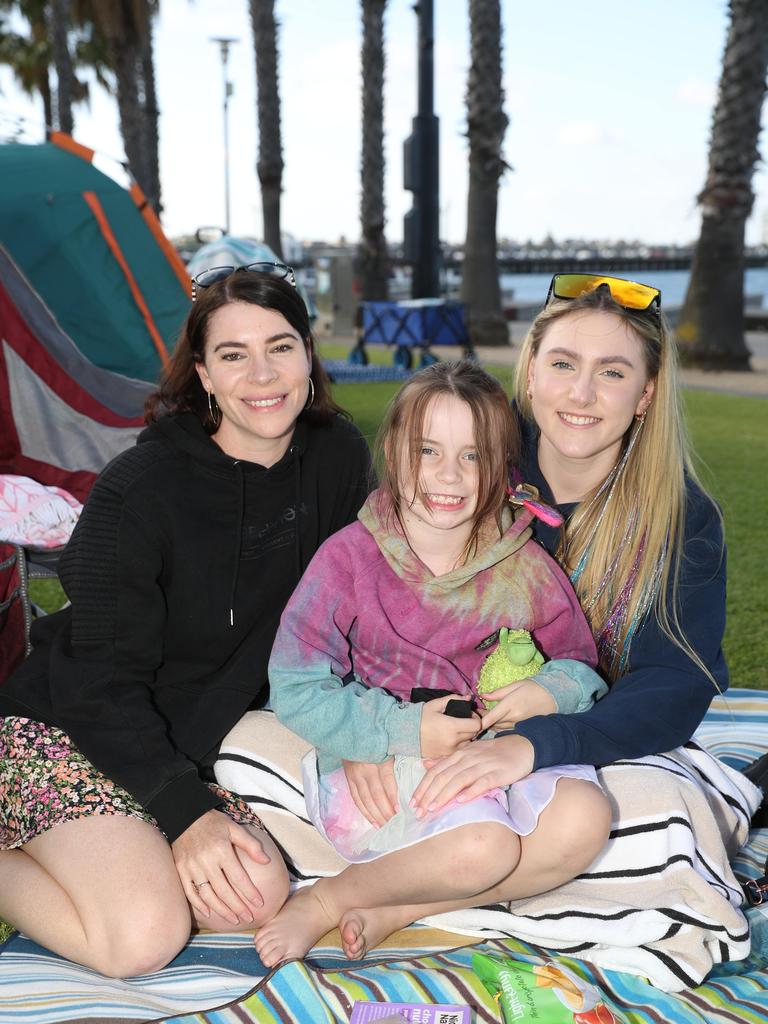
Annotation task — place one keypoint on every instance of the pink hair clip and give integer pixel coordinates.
(528, 496)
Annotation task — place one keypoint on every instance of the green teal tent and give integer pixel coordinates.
(95, 254)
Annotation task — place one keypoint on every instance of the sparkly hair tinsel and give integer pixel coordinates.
(613, 652)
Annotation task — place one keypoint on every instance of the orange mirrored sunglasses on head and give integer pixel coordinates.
(628, 294)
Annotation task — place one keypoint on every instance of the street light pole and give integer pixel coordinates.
(224, 45)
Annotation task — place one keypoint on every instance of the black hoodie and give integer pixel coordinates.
(177, 573)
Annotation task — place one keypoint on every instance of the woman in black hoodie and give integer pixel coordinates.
(114, 840)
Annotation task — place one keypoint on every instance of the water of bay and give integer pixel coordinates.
(531, 289)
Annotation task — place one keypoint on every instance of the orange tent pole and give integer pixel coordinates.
(150, 218)
(64, 141)
(98, 211)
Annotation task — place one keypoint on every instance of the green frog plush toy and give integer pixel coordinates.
(516, 657)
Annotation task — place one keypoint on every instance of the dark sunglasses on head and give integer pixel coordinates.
(628, 294)
(209, 277)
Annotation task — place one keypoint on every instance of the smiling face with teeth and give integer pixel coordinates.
(446, 497)
(587, 383)
(257, 366)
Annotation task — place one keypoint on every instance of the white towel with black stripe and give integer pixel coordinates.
(661, 900)
(260, 760)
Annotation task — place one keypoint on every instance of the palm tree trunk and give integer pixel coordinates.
(45, 92)
(60, 24)
(710, 330)
(373, 259)
(55, 36)
(125, 61)
(151, 119)
(270, 161)
(126, 27)
(486, 125)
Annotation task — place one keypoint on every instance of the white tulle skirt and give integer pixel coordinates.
(335, 814)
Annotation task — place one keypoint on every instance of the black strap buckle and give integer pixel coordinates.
(756, 891)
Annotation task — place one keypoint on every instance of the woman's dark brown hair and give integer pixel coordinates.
(180, 389)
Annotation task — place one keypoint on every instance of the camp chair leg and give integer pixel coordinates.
(358, 356)
(403, 357)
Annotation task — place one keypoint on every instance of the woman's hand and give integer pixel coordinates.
(441, 734)
(516, 702)
(206, 857)
(374, 789)
(475, 770)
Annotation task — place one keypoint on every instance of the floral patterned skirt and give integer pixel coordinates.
(45, 781)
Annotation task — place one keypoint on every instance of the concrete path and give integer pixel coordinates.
(753, 384)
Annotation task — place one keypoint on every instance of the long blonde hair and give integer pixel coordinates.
(623, 544)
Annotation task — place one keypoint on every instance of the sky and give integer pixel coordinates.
(610, 105)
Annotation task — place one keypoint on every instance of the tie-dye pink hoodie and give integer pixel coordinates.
(368, 605)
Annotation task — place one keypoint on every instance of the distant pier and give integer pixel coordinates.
(563, 264)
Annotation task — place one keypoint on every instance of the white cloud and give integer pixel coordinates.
(585, 133)
(696, 92)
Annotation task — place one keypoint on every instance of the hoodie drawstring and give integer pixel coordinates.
(238, 542)
(294, 450)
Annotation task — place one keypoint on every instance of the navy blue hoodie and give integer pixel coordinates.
(662, 697)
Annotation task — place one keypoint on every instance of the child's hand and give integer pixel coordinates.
(517, 702)
(441, 734)
(373, 788)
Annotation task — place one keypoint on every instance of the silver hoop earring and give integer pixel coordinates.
(215, 420)
(311, 395)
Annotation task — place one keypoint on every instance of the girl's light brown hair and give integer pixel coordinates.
(652, 487)
(497, 438)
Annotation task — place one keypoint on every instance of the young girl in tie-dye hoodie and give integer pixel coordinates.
(410, 597)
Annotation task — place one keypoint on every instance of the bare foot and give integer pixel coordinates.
(363, 929)
(295, 929)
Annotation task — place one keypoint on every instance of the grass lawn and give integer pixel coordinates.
(730, 434)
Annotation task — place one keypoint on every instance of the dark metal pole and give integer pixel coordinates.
(422, 174)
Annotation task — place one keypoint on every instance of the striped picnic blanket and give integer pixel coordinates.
(417, 965)
(305, 993)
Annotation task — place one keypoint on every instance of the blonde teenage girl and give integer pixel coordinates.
(604, 441)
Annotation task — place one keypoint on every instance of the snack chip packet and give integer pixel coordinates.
(542, 993)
